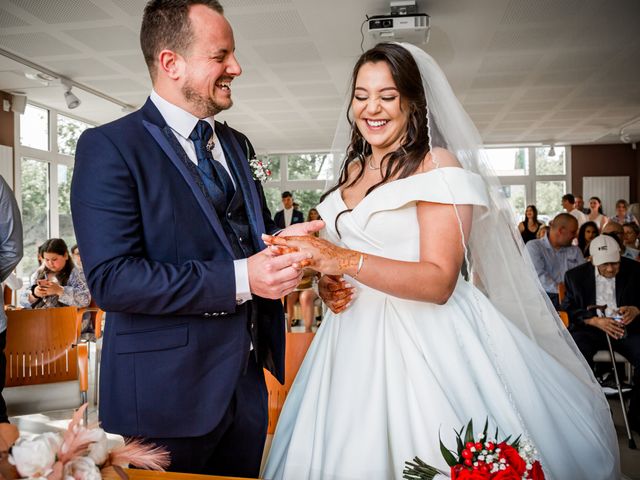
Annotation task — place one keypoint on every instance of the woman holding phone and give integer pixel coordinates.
(57, 283)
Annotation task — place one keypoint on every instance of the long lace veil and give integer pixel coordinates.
(497, 260)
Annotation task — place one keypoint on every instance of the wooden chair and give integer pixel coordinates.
(98, 319)
(7, 295)
(562, 292)
(564, 316)
(296, 349)
(42, 347)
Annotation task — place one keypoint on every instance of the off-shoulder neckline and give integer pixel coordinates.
(338, 191)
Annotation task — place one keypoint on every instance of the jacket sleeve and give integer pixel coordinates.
(10, 231)
(573, 302)
(107, 217)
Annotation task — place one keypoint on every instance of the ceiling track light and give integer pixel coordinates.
(44, 75)
(552, 151)
(69, 97)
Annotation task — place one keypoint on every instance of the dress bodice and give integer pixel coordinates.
(385, 223)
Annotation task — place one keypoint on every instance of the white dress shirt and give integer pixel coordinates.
(606, 293)
(182, 124)
(288, 215)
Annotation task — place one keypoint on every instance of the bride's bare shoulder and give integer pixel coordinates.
(439, 157)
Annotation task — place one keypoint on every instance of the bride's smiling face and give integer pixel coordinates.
(377, 108)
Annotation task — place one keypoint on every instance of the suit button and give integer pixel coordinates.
(215, 314)
(228, 214)
(206, 315)
(241, 239)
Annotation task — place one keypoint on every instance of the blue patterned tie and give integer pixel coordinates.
(211, 170)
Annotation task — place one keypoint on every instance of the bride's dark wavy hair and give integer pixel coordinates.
(404, 161)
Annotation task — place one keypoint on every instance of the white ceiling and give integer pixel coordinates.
(527, 71)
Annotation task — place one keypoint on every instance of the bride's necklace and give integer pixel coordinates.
(371, 164)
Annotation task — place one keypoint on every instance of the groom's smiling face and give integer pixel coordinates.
(210, 65)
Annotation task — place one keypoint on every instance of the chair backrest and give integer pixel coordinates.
(562, 291)
(296, 349)
(41, 346)
(7, 295)
(564, 316)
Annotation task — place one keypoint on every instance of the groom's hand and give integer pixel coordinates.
(299, 229)
(274, 276)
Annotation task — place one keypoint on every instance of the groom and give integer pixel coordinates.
(168, 218)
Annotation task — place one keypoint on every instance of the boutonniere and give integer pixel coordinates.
(259, 168)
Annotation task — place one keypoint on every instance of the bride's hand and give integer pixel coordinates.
(335, 292)
(327, 258)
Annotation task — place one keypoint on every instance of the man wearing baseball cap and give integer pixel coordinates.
(612, 283)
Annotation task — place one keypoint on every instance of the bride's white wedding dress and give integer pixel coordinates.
(385, 378)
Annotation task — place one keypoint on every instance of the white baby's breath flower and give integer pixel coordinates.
(35, 457)
(82, 468)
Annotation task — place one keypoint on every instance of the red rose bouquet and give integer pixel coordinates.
(481, 458)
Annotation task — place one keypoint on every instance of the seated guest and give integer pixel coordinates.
(530, 225)
(304, 292)
(75, 255)
(617, 231)
(57, 282)
(611, 282)
(595, 212)
(622, 215)
(288, 215)
(542, 232)
(569, 204)
(630, 234)
(553, 255)
(588, 231)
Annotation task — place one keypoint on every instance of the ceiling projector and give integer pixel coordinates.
(411, 28)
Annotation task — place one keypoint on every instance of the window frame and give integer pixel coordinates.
(530, 181)
(50, 157)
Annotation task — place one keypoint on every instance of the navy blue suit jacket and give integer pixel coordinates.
(158, 262)
(296, 217)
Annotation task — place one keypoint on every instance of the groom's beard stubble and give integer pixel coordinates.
(205, 105)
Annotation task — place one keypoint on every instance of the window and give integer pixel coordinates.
(530, 176)
(34, 128)
(45, 151)
(34, 176)
(274, 199)
(509, 161)
(69, 130)
(546, 165)
(65, 226)
(310, 166)
(549, 196)
(307, 199)
(516, 196)
(305, 175)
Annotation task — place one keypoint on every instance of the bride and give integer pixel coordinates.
(420, 350)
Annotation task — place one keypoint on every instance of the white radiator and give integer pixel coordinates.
(608, 189)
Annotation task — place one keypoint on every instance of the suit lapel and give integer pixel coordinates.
(237, 159)
(159, 136)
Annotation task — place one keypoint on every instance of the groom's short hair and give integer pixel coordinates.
(166, 25)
